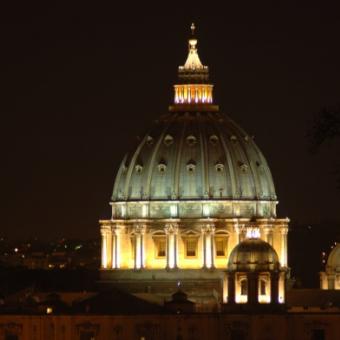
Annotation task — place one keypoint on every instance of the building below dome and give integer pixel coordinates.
(185, 196)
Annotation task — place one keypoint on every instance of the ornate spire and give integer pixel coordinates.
(193, 91)
(193, 63)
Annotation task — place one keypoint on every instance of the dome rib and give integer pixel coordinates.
(132, 167)
(115, 193)
(152, 162)
(245, 156)
(204, 161)
(178, 160)
(233, 179)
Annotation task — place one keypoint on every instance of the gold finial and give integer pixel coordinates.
(193, 27)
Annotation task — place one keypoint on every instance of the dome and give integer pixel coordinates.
(194, 156)
(333, 262)
(195, 162)
(253, 254)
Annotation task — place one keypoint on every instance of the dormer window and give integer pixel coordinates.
(168, 140)
(161, 167)
(191, 166)
(243, 166)
(213, 139)
(149, 140)
(233, 138)
(191, 140)
(219, 167)
(138, 168)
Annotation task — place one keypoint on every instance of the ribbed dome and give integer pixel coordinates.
(194, 156)
(333, 262)
(253, 254)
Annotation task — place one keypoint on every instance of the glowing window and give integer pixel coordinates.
(244, 287)
(221, 246)
(191, 247)
(160, 244)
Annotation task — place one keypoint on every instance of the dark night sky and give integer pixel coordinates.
(79, 83)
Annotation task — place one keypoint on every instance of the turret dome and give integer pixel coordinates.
(253, 254)
(333, 262)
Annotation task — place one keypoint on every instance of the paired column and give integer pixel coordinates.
(139, 231)
(208, 236)
(171, 231)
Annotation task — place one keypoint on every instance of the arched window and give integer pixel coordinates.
(244, 287)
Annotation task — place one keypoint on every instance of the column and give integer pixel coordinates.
(171, 231)
(139, 232)
(284, 232)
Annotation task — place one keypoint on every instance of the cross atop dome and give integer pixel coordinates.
(192, 27)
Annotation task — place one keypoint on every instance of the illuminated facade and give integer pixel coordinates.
(185, 198)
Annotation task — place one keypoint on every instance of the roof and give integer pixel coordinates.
(313, 298)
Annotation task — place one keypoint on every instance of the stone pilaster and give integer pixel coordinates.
(208, 232)
(171, 231)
